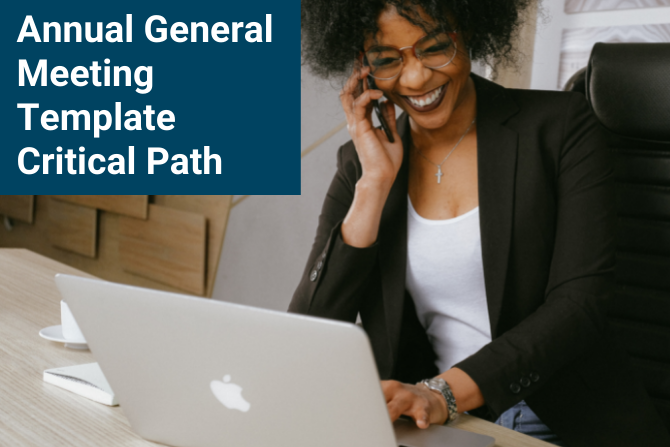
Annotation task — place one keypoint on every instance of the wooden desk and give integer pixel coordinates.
(34, 413)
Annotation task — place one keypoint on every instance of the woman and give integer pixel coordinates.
(476, 243)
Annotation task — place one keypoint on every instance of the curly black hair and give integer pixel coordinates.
(333, 31)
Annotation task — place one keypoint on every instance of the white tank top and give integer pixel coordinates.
(445, 276)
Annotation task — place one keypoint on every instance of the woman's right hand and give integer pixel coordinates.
(380, 159)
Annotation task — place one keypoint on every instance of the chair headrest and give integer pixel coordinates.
(577, 82)
(628, 86)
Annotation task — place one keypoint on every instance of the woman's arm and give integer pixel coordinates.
(380, 160)
(427, 406)
(336, 272)
(572, 319)
(344, 251)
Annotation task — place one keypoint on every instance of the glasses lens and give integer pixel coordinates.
(436, 50)
(384, 62)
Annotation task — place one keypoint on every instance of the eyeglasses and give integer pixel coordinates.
(435, 50)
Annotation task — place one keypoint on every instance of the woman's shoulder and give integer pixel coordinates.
(552, 116)
(551, 107)
(558, 124)
(548, 103)
(528, 110)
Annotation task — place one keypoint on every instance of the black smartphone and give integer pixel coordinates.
(378, 111)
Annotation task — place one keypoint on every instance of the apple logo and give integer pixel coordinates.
(229, 394)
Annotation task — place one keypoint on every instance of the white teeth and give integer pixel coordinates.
(428, 101)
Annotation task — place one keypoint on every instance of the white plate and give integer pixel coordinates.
(55, 333)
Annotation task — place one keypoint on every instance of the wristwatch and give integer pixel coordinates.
(442, 386)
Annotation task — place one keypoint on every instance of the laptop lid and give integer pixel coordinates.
(193, 372)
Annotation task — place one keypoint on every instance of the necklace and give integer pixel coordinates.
(439, 166)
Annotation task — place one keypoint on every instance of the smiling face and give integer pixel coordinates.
(429, 96)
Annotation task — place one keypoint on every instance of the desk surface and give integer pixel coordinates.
(34, 413)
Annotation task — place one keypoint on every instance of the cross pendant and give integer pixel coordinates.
(439, 174)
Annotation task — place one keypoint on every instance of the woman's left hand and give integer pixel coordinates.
(419, 402)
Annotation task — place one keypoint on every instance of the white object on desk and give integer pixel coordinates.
(71, 330)
(55, 333)
(86, 380)
(68, 332)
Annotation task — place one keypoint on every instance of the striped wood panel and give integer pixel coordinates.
(168, 247)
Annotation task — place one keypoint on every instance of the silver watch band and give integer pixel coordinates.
(443, 387)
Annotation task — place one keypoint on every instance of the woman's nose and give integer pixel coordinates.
(414, 74)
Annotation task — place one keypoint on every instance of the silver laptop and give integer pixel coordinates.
(193, 372)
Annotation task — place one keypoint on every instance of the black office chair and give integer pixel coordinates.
(628, 87)
(577, 82)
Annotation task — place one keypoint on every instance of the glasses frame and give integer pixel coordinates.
(413, 47)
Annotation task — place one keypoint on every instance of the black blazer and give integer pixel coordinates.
(547, 220)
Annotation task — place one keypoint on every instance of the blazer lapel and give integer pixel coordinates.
(496, 159)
